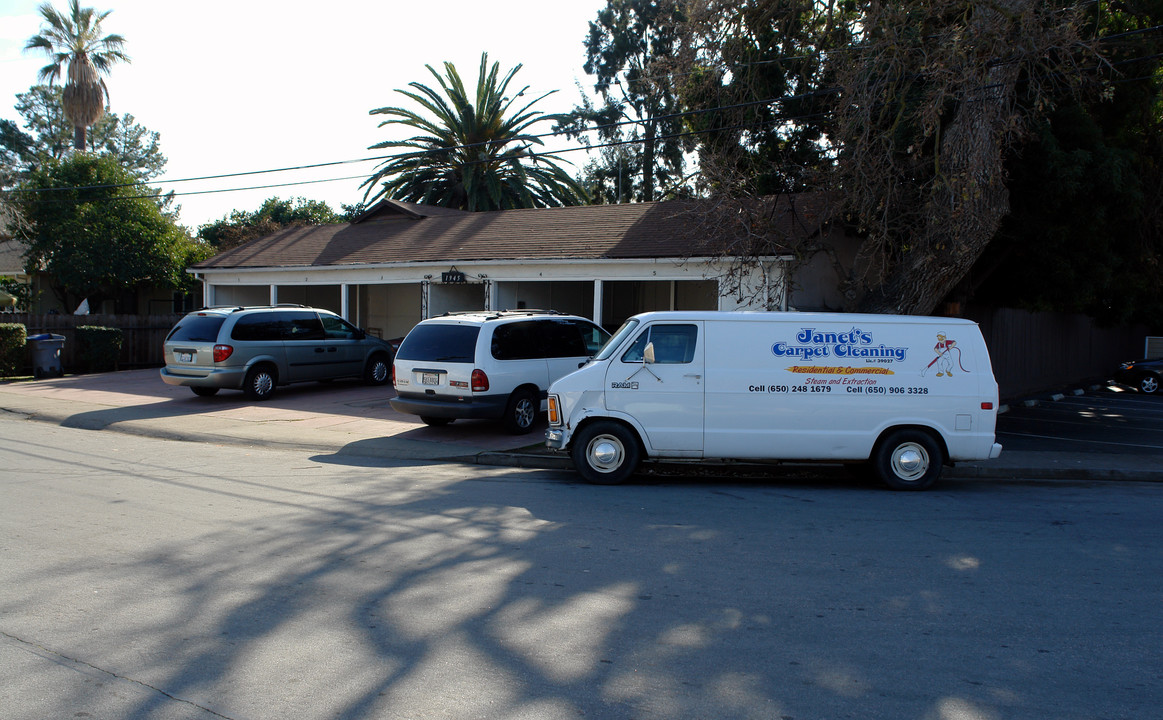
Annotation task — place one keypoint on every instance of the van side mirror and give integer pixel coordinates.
(648, 354)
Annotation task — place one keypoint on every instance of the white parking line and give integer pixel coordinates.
(1078, 440)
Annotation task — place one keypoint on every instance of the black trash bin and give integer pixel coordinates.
(46, 354)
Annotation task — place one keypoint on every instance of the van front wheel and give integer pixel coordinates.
(908, 460)
(605, 453)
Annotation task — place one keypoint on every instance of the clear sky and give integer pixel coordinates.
(245, 85)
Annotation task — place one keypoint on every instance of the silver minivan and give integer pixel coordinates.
(256, 349)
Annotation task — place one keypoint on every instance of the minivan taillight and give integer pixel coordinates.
(480, 381)
(221, 352)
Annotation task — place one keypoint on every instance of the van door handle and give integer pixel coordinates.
(692, 375)
(318, 349)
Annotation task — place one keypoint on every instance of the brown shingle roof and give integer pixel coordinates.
(633, 230)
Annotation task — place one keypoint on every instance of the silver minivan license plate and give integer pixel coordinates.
(430, 378)
(186, 357)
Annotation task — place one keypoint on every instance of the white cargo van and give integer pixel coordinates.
(903, 394)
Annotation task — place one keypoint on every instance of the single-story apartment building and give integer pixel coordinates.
(402, 262)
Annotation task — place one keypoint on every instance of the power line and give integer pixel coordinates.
(779, 118)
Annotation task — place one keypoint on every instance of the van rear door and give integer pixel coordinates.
(666, 396)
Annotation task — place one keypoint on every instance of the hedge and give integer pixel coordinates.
(12, 339)
(98, 348)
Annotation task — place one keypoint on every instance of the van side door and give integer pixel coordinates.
(307, 355)
(569, 344)
(666, 396)
(344, 349)
(258, 337)
(519, 348)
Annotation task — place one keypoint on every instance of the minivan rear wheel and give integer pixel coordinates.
(259, 383)
(521, 412)
(605, 453)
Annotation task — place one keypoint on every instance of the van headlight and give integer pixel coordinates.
(554, 411)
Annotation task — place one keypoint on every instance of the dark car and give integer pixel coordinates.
(1143, 375)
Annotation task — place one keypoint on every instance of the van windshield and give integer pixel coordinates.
(616, 340)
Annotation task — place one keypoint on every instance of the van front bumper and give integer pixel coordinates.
(555, 438)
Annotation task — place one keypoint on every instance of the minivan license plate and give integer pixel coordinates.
(430, 378)
(186, 357)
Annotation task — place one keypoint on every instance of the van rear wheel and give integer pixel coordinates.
(908, 460)
(259, 383)
(605, 453)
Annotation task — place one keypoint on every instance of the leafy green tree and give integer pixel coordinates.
(47, 135)
(77, 50)
(939, 95)
(1085, 231)
(95, 235)
(754, 76)
(471, 153)
(628, 51)
(908, 109)
(275, 214)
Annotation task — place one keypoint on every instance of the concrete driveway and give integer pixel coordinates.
(1098, 434)
(345, 416)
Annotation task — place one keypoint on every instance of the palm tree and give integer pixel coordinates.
(472, 156)
(76, 39)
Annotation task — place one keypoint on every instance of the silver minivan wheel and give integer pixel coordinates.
(378, 371)
(260, 383)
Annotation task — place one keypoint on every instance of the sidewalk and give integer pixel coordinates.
(347, 418)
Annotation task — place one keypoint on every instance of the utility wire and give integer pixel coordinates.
(587, 147)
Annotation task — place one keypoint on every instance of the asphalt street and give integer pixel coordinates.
(153, 579)
(1098, 434)
(1107, 419)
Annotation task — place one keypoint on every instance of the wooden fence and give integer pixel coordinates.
(142, 336)
(1033, 352)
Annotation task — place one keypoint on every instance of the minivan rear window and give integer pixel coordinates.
(197, 328)
(436, 342)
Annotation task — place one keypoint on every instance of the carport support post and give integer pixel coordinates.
(597, 302)
(344, 304)
(274, 295)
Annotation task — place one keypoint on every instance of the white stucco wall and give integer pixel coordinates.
(390, 296)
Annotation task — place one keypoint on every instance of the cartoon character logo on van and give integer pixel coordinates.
(945, 350)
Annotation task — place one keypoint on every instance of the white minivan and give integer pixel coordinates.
(904, 394)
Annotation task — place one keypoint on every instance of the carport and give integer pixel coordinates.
(400, 263)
